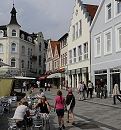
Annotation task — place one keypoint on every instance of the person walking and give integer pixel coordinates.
(70, 100)
(45, 86)
(59, 107)
(80, 90)
(90, 89)
(84, 90)
(116, 94)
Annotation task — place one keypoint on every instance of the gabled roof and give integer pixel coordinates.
(96, 15)
(91, 9)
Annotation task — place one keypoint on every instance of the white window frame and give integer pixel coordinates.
(105, 42)
(1, 33)
(77, 30)
(70, 57)
(80, 55)
(85, 54)
(14, 62)
(95, 45)
(106, 12)
(74, 55)
(15, 47)
(73, 32)
(117, 37)
(115, 9)
(14, 33)
(80, 28)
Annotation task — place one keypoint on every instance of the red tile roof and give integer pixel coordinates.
(53, 46)
(91, 9)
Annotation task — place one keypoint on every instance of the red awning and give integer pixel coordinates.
(42, 77)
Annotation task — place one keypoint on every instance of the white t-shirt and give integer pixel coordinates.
(20, 112)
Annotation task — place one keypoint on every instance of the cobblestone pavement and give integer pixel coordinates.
(91, 114)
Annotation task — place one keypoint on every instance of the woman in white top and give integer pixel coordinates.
(116, 93)
(20, 113)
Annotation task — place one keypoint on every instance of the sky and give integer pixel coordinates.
(52, 17)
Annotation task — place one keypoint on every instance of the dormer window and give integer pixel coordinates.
(29, 39)
(22, 36)
(108, 12)
(13, 32)
(1, 33)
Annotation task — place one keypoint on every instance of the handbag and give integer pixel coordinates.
(68, 106)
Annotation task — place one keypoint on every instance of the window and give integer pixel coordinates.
(29, 39)
(85, 51)
(22, 36)
(73, 32)
(70, 56)
(80, 52)
(23, 50)
(28, 51)
(118, 7)
(66, 58)
(74, 52)
(118, 37)
(13, 32)
(97, 46)
(108, 12)
(76, 30)
(13, 62)
(1, 33)
(107, 42)
(22, 64)
(13, 47)
(28, 64)
(80, 28)
(1, 48)
(40, 60)
(40, 46)
(63, 59)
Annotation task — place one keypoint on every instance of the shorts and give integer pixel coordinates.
(60, 112)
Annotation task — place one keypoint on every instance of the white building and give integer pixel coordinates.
(79, 43)
(18, 49)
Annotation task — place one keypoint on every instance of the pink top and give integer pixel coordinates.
(59, 102)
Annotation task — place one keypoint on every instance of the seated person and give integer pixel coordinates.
(43, 105)
(21, 112)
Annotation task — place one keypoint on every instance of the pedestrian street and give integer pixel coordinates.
(90, 116)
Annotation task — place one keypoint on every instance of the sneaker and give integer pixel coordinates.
(63, 126)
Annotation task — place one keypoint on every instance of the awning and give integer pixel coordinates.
(55, 75)
(42, 77)
(21, 77)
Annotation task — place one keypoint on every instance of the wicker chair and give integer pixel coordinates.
(12, 124)
(37, 122)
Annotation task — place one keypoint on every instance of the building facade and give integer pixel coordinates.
(106, 44)
(19, 50)
(63, 59)
(79, 43)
